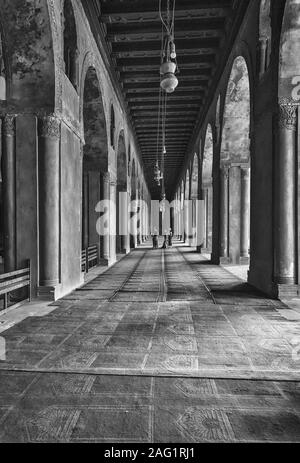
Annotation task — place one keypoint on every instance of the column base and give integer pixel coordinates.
(49, 293)
(224, 260)
(285, 292)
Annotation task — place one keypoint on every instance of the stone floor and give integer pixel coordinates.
(162, 347)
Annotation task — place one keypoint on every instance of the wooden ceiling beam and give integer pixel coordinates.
(144, 28)
(113, 9)
(182, 45)
(145, 86)
(150, 61)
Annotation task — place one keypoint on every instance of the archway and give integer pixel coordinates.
(112, 128)
(187, 231)
(265, 32)
(95, 166)
(133, 235)
(121, 190)
(194, 195)
(207, 188)
(70, 43)
(235, 167)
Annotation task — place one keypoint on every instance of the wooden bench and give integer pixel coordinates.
(89, 258)
(15, 280)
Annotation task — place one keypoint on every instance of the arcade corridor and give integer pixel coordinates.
(162, 347)
(149, 221)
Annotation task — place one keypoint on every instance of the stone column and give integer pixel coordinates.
(113, 220)
(224, 185)
(209, 226)
(123, 237)
(285, 247)
(49, 200)
(139, 231)
(106, 197)
(133, 221)
(9, 191)
(126, 238)
(245, 211)
(85, 211)
(205, 217)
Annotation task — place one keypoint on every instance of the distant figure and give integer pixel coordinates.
(170, 238)
(155, 241)
(165, 243)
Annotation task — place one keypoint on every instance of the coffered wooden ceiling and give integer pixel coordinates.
(128, 33)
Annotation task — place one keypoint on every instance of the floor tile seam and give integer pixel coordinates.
(154, 374)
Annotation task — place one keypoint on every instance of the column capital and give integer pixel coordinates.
(49, 126)
(225, 170)
(287, 114)
(106, 177)
(9, 125)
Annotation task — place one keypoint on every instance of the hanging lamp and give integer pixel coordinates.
(168, 68)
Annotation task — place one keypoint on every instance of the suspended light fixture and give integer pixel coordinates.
(168, 84)
(169, 81)
(168, 68)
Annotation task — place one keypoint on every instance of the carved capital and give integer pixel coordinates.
(225, 172)
(106, 177)
(9, 125)
(49, 127)
(287, 115)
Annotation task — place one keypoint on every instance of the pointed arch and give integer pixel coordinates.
(3, 68)
(235, 166)
(187, 185)
(70, 43)
(112, 126)
(265, 35)
(289, 64)
(195, 177)
(236, 120)
(207, 161)
(95, 159)
(94, 122)
(207, 188)
(121, 188)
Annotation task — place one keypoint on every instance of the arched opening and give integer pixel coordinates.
(187, 231)
(218, 117)
(207, 188)
(133, 237)
(265, 36)
(194, 195)
(70, 43)
(2, 70)
(235, 167)
(112, 127)
(95, 164)
(121, 189)
(138, 223)
(181, 199)
(129, 160)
